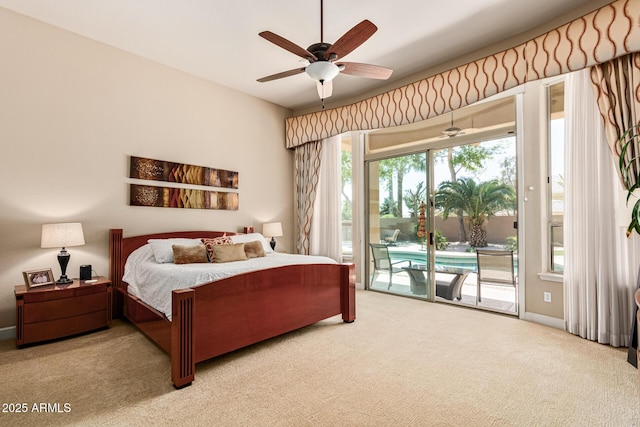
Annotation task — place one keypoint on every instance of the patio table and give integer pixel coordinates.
(448, 290)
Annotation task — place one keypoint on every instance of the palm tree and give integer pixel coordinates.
(477, 201)
(470, 158)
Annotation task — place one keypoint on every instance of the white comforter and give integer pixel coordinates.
(152, 282)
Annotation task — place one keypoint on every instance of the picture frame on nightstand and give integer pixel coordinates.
(35, 278)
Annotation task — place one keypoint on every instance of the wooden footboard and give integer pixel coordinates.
(218, 317)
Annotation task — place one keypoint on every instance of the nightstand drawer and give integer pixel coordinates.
(38, 295)
(43, 331)
(51, 312)
(63, 308)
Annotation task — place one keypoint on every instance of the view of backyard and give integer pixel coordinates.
(431, 213)
(474, 207)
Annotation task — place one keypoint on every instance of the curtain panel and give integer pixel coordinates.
(600, 263)
(326, 225)
(306, 168)
(604, 34)
(616, 84)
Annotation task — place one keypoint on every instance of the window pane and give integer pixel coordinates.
(347, 197)
(398, 252)
(556, 177)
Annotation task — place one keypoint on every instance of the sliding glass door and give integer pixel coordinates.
(441, 224)
(398, 226)
(475, 223)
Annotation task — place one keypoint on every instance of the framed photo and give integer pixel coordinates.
(40, 277)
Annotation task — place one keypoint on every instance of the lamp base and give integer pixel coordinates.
(63, 259)
(273, 243)
(63, 280)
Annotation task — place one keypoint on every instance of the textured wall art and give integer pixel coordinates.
(169, 197)
(178, 196)
(160, 170)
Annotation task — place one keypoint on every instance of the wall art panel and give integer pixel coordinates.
(173, 197)
(160, 170)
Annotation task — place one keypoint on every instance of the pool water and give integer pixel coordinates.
(444, 259)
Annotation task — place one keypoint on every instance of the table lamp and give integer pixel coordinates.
(272, 229)
(62, 236)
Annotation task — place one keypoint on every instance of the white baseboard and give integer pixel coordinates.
(553, 322)
(7, 333)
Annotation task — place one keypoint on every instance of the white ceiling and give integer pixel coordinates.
(218, 40)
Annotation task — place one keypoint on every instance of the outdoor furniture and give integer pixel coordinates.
(445, 289)
(418, 281)
(453, 288)
(495, 267)
(382, 262)
(391, 240)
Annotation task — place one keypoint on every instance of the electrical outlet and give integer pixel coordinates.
(547, 297)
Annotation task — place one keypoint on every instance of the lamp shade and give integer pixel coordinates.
(62, 235)
(272, 229)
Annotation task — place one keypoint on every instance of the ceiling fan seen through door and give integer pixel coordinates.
(325, 58)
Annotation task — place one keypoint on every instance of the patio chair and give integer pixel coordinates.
(495, 267)
(391, 240)
(382, 262)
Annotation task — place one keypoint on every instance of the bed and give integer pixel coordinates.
(217, 317)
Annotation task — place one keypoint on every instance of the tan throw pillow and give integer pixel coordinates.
(228, 253)
(254, 249)
(189, 254)
(209, 243)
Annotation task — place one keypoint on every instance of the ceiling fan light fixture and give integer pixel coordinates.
(322, 71)
(452, 131)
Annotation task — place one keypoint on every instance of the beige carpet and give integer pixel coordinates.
(402, 363)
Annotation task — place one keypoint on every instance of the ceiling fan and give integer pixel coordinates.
(452, 130)
(324, 58)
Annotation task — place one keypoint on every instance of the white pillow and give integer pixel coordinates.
(252, 237)
(163, 248)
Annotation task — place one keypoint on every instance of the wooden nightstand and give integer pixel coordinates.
(56, 311)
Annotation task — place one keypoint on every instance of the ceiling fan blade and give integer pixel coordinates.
(325, 89)
(352, 39)
(287, 45)
(281, 75)
(365, 70)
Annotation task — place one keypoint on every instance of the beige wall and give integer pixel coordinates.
(73, 110)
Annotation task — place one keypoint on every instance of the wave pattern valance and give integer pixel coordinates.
(605, 34)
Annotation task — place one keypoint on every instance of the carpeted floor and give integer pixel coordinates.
(402, 363)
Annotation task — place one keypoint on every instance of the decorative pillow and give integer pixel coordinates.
(251, 237)
(209, 243)
(163, 248)
(254, 249)
(189, 254)
(228, 253)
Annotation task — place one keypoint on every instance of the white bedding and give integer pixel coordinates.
(153, 282)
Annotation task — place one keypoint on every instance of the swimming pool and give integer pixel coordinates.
(444, 259)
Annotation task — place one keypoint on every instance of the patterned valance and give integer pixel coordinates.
(605, 34)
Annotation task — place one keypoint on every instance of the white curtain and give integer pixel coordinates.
(325, 237)
(601, 264)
